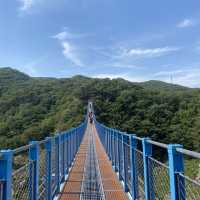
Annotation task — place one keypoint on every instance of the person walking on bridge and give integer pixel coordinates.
(91, 117)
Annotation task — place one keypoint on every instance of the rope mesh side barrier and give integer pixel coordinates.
(21, 182)
(121, 158)
(159, 181)
(140, 174)
(53, 168)
(188, 188)
(42, 173)
(128, 163)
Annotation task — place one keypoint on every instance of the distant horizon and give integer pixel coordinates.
(87, 76)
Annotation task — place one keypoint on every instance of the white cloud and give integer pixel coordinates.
(66, 34)
(126, 57)
(70, 53)
(186, 23)
(188, 77)
(26, 4)
(167, 73)
(110, 76)
(60, 36)
(125, 76)
(148, 52)
(69, 49)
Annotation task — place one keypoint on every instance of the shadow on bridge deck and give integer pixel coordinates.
(112, 188)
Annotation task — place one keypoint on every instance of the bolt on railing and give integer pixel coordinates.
(36, 171)
(144, 176)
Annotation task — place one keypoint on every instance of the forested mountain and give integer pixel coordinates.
(32, 108)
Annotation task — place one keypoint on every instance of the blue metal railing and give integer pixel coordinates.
(143, 175)
(36, 171)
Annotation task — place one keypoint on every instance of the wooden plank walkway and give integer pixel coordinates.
(112, 187)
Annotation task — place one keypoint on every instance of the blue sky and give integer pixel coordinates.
(137, 40)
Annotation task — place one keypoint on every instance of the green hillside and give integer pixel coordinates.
(160, 85)
(32, 108)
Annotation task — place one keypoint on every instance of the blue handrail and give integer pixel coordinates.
(143, 176)
(45, 169)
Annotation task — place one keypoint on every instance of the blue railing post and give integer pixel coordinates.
(147, 152)
(75, 133)
(71, 146)
(113, 147)
(134, 183)
(106, 135)
(103, 136)
(125, 161)
(116, 151)
(58, 164)
(109, 144)
(120, 153)
(73, 143)
(68, 150)
(176, 165)
(72, 140)
(6, 173)
(77, 140)
(34, 170)
(66, 153)
(63, 156)
(48, 147)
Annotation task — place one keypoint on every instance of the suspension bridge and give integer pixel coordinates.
(93, 161)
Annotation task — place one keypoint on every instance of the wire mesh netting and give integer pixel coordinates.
(42, 173)
(140, 174)
(53, 168)
(188, 188)
(159, 180)
(21, 182)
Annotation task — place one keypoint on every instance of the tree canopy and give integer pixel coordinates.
(33, 108)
